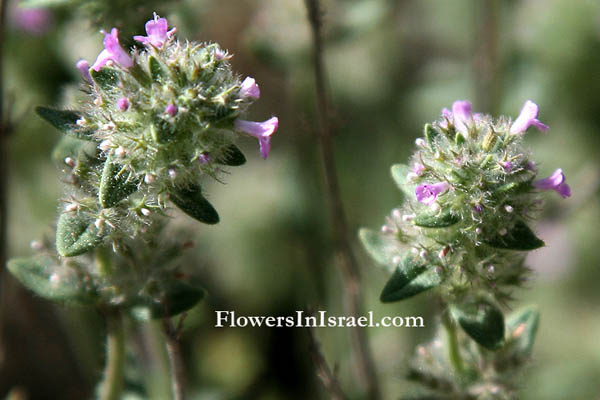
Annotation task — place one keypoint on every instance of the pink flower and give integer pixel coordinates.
(427, 194)
(112, 52)
(418, 169)
(526, 118)
(157, 31)
(123, 103)
(260, 130)
(171, 109)
(507, 165)
(84, 67)
(556, 181)
(462, 113)
(249, 88)
(35, 21)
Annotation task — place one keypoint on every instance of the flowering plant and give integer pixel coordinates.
(157, 121)
(462, 233)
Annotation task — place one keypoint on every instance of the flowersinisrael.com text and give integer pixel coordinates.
(302, 319)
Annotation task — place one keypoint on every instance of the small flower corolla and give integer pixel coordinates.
(158, 32)
(428, 193)
(526, 118)
(112, 52)
(249, 88)
(462, 114)
(171, 109)
(260, 130)
(556, 181)
(123, 103)
(84, 68)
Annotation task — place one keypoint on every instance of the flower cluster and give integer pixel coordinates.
(470, 191)
(161, 118)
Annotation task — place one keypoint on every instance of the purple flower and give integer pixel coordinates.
(171, 109)
(84, 67)
(204, 158)
(477, 208)
(249, 88)
(427, 194)
(123, 103)
(462, 113)
(527, 118)
(418, 169)
(556, 181)
(260, 130)
(158, 32)
(35, 21)
(112, 52)
(507, 165)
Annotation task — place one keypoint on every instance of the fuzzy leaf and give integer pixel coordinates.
(107, 78)
(482, 321)
(114, 187)
(436, 220)
(76, 235)
(399, 173)
(520, 237)
(382, 248)
(459, 139)
(409, 279)
(521, 328)
(191, 202)
(65, 121)
(175, 297)
(35, 273)
(232, 156)
(156, 70)
(67, 146)
(430, 134)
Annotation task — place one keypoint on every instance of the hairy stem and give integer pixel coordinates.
(112, 386)
(347, 261)
(452, 343)
(175, 358)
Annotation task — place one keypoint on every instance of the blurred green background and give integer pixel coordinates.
(392, 66)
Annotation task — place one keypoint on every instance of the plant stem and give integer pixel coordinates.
(452, 343)
(347, 261)
(112, 386)
(324, 373)
(175, 358)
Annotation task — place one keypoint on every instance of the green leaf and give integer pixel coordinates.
(65, 121)
(520, 237)
(521, 328)
(399, 173)
(381, 247)
(36, 274)
(459, 139)
(156, 70)
(191, 202)
(76, 235)
(430, 134)
(482, 321)
(436, 220)
(67, 146)
(409, 279)
(107, 78)
(114, 187)
(232, 156)
(175, 297)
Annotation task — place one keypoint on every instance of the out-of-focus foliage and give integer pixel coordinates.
(392, 66)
